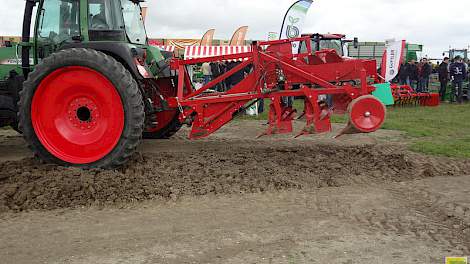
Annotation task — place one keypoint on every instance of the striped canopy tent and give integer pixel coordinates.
(196, 52)
(166, 48)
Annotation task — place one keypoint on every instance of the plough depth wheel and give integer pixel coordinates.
(81, 107)
(367, 114)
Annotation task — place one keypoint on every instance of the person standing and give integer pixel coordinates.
(425, 72)
(413, 74)
(206, 71)
(403, 74)
(458, 73)
(443, 71)
(215, 70)
(420, 69)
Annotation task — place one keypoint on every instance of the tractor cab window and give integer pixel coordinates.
(322, 44)
(335, 44)
(134, 22)
(105, 21)
(59, 21)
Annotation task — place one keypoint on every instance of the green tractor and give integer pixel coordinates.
(89, 86)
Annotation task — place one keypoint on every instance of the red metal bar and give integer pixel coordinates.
(187, 81)
(181, 80)
(218, 98)
(220, 78)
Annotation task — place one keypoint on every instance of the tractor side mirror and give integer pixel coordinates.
(8, 44)
(356, 43)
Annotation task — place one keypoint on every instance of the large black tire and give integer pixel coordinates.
(15, 83)
(123, 82)
(167, 132)
(7, 111)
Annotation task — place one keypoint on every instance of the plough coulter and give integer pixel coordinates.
(91, 86)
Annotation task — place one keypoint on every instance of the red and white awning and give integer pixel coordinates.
(196, 52)
(166, 48)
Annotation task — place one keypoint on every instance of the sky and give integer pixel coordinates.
(436, 24)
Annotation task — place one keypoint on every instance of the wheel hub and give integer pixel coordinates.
(83, 113)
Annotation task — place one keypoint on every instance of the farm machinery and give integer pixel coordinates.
(90, 86)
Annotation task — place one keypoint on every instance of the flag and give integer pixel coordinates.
(208, 38)
(238, 38)
(144, 13)
(392, 58)
(294, 21)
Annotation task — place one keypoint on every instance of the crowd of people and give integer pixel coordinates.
(416, 75)
(455, 72)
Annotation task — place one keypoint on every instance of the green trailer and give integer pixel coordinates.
(375, 51)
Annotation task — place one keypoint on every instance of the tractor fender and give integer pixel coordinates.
(125, 53)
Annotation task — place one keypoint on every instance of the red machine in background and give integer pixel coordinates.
(274, 72)
(405, 95)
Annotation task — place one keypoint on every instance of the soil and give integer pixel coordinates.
(236, 199)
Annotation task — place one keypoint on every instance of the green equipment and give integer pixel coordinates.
(463, 53)
(86, 86)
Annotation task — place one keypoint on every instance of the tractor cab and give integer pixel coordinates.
(106, 25)
(319, 42)
(92, 20)
(110, 20)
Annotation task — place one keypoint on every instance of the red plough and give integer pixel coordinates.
(275, 72)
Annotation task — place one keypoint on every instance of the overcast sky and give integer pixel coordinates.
(436, 24)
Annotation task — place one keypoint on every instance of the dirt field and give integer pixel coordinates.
(236, 199)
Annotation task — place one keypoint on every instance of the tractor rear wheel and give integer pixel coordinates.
(81, 107)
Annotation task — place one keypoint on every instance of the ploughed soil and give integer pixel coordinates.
(234, 199)
(28, 184)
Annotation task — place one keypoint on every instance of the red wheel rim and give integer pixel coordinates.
(367, 114)
(77, 115)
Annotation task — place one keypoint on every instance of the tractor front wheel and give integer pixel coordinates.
(83, 108)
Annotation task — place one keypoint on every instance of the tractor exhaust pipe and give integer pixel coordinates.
(25, 37)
